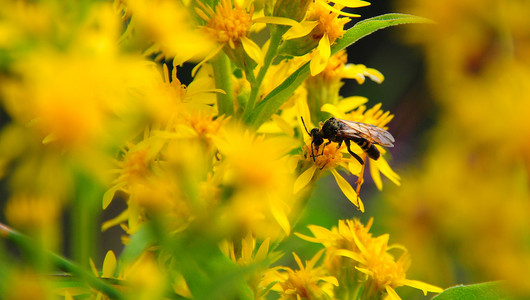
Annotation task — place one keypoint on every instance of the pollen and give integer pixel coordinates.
(227, 24)
(135, 165)
(330, 157)
(205, 124)
(328, 22)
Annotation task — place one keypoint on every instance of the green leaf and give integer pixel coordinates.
(268, 106)
(369, 26)
(272, 102)
(483, 291)
(140, 240)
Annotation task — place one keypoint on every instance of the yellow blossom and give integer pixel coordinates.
(229, 25)
(324, 88)
(167, 26)
(256, 171)
(321, 28)
(370, 256)
(246, 254)
(308, 282)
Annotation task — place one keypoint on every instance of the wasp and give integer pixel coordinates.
(338, 131)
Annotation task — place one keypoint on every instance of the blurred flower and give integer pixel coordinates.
(25, 284)
(477, 64)
(32, 212)
(166, 26)
(256, 175)
(246, 254)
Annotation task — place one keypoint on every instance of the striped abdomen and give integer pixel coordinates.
(368, 148)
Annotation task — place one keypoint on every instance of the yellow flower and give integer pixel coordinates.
(168, 26)
(229, 25)
(256, 175)
(23, 283)
(337, 69)
(32, 212)
(308, 282)
(378, 270)
(246, 254)
(321, 28)
(324, 88)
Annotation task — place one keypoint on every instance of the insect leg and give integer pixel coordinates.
(312, 152)
(324, 146)
(360, 180)
(353, 154)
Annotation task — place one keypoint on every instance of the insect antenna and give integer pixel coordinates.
(305, 126)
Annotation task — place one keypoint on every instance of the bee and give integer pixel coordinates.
(338, 131)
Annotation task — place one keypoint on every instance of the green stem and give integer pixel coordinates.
(276, 38)
(222, 70)
(85, 213)
(60, 262)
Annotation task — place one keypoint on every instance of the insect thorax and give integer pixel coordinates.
(330, 128)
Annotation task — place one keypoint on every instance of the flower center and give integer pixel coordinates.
(228, 24)
(328, 22)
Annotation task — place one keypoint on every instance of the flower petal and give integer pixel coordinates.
(350, 103)
(281, 217)
(392, 293)
(349, 254)
(342, 13)
(109, 265)
(320, 56)
(375, 75)
(352, 3)
(384, 168)
(425, 287)
(252, 50)
(301, 30)
(376, 176)
(347, 189)
(277, 21)
(304, 179)
(334, 110)
(109, 194)
(263, 250)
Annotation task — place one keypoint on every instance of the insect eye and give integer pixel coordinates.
(314, 131)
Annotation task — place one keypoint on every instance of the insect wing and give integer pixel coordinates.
(369, 132)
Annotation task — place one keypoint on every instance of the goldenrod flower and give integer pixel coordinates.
(229, 25)
(32, 212)
(324, 88)
(246, 254)
(308, 282)
(321, 28)
(337, 69)
(256, 172)
(167, 26)
(370, 256)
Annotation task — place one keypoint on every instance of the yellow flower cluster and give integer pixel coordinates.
(203, 179)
